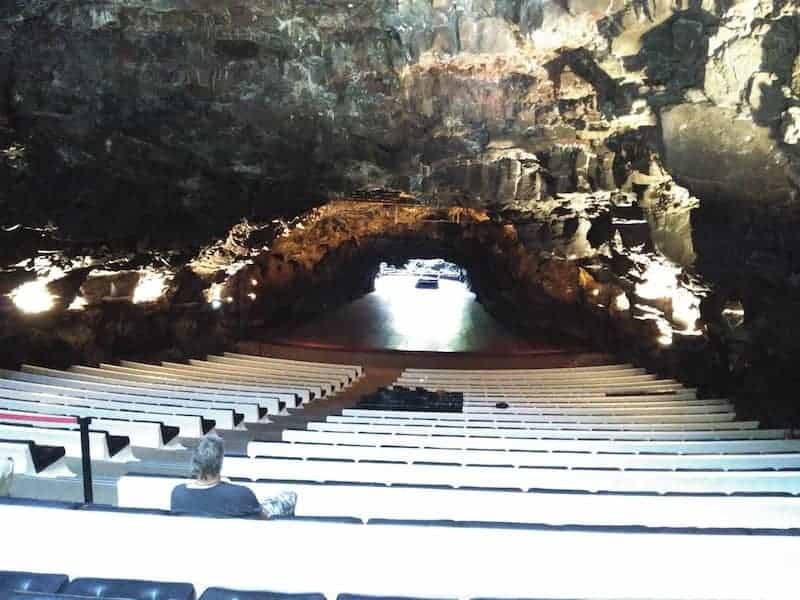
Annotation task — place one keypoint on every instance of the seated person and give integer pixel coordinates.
(209, 496)
(6, 474)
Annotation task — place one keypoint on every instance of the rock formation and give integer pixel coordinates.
(597, 139)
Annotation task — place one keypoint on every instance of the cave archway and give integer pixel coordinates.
(331, 256)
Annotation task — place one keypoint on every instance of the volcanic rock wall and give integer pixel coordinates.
(149, 127)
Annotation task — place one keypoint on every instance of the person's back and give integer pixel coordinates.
(209, 496)
(222, 499)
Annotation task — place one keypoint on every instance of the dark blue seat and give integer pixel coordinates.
(130, 588)
(23, 581)
(216, 593)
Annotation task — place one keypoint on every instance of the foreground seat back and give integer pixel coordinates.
(130, 588)
(218, 593)
(24, 581)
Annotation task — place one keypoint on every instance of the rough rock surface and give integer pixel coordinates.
(594, 130)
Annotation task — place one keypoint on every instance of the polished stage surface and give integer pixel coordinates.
(400, 316)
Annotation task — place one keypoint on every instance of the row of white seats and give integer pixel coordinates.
(68, 438)
(500, 387)
(143, 430)
(250, 409)
(569, 460)
(566, 371)
(550, 421)
(224, 373)
(149, 380)
(154, 373)
(495, 378)
(331, 372)
(406, 560)
(524, 478)
(742, 430)
(188, 417)
(509, 414)
(589, 398)
(330, 382)
(374, 502)
(762, 440)
(189, 425)
(273, 403)
(354, 371)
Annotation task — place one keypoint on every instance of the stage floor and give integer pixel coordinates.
(399, 316)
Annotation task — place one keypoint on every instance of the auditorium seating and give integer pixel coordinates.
(475, 480)
(601, 431)
(147, 434)
(228, 415)
(153, 381)
(555, 507)
(254, 408)
(665, 461)
(155, 373)
(103, 445)
(586, 479)
(433, 559)
(353, 371)
(760, 440)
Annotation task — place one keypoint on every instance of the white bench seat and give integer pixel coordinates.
(436, 561)
(526, 478)
(531, 459)
(345, 376)
(251, 411)
(157, 375)
(371, 502)
(588, 403)
(513, 395)
(209, 370)
(759, 440)
(524, 380)
(713, 430)
(337, 380)
(357, 370)
(69, 439)
(191, 425)
(541, 422)
(491, 411)
(500, 414)
(157, 386)
(567, 371)
(224, 417)
(143, 430)
(223, 378)
(567, 385)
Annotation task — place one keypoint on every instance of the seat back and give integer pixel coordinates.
(134, 589)
(218, 593)
(24, 581)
